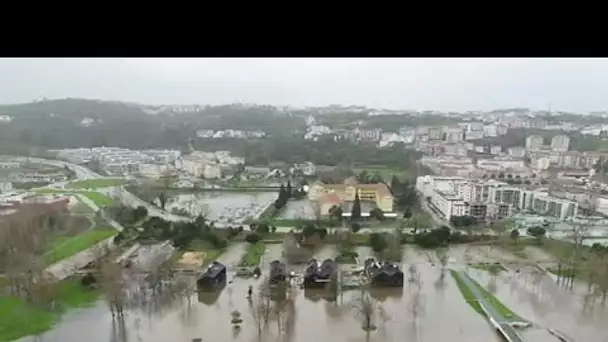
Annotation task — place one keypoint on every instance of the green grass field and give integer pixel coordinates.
(254, 254)
(98, 198)
(20, 319)
(96, 183)
(64, 248)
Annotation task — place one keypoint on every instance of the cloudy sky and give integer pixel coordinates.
(441, 84)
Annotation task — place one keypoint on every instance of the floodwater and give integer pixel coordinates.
(299, 210)
(434, 311)
(536, 297)
(230, 207)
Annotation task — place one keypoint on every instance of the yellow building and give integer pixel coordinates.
(377, 193)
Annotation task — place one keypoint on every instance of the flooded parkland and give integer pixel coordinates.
(430, 308)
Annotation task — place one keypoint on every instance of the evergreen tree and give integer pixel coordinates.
(282, 193)
(289, 189)
(395, 184)
(356, 211)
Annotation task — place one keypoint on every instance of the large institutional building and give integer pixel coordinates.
(328, 195)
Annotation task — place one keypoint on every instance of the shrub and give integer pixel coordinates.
(355, 227)
(88, 280)
(253, 238)
(378, 242)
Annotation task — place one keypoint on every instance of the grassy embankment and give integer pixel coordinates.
(68, 246)
(20, 319)
(96, 183)
(470, 297)
(99, 199)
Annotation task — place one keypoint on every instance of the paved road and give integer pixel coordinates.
(500, 319)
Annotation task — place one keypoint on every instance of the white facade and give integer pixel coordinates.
(490, 130)
(560, 143)
(6, 187)
(542, 163)
(495, 149)
(517, 152)
(534, 141)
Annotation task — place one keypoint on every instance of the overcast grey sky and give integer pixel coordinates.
(442, 84)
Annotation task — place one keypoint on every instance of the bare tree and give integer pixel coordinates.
(580, 232)
(366, 308)
(113, 284)
(23, 239)
(260, 310)
(442, 256)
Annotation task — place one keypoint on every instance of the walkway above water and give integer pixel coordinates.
(502, 323)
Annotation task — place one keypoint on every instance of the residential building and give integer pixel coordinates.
(534, 141)
(153, 171)
(495, 149)
(517, 152)
(205, 133)
(560, 143)
(5, 187)
(453, 134)
(490, 130)
(454, 150)
(435, 133)
(474, 135)
(544, 204)
(542, 163)
(378, 194)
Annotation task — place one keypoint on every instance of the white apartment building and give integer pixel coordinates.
(490, 130)
(495, 149)
(205, 133)
(560, 143)
(153, 171)
(489, 199)
(517, 151)
(459, 150)
(453, 134)
(6, 187)
(474, 135)
(541, 164)
(544, 204)
(534, 141)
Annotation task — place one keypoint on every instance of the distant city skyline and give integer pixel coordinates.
(442, 84)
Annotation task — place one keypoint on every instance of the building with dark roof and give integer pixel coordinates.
(213, 277)
(383, 274)
(278, 272)
(318, 275)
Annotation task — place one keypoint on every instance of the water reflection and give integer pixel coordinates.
(167, 313)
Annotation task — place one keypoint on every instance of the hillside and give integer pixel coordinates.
(57, 124)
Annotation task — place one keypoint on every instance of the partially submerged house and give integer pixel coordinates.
(278, 272)
(213, 277)
(318, 275)
(383, 273)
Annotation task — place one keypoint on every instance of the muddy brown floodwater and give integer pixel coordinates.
(436, 312)
(536, 297)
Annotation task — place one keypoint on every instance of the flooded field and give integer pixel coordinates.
(430, 308)
(433, 312)
(299, 210)
(226, 207)
(536, 297)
